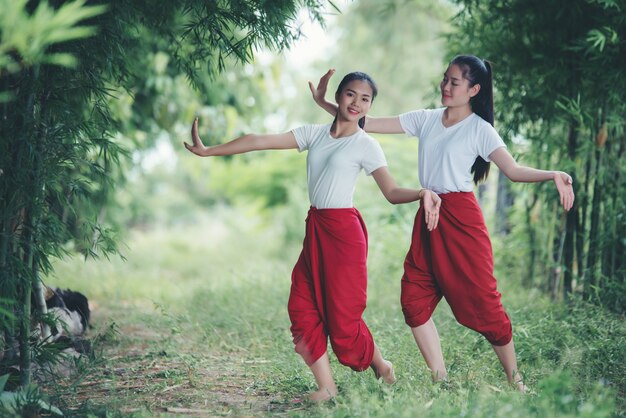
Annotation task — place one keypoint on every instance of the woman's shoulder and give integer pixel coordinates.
(482, 127)
(477, 123)
(314, 126)
(368, 144)
(419, 117)
(426, 111)
(312, 130)
(361, 135)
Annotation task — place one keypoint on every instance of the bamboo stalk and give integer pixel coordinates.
(29, 238)
(594, 231)
(24, 336)
(40, 299)
(571, 221)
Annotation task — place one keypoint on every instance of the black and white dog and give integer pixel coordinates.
(70, 311)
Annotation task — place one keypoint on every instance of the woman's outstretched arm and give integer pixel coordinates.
(519, 173)
(384, 125)
(246, 143)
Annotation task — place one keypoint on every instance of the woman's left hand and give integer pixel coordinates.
(197, 147)
(432, 204)
(564, 184)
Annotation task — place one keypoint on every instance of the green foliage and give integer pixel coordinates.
(215, 31)
(27, 402)
(60, 155)
(29, 36)
(397, 42)
(558, 72)
(206, 304)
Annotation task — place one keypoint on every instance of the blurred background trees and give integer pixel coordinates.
(559, 75)
(82, 86)
(95, 108)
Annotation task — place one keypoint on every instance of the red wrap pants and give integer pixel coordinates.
(329, 289)
(454, 261)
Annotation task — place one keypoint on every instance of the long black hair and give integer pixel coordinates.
(478, 71)
(357, 75)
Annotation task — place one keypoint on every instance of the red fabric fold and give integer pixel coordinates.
(454, 261)
(329, 289)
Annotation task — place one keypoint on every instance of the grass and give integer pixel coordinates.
(195, 322)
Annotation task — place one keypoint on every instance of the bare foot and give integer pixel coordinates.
(517, 381)
(386, 373)
(521, 387)
(323, 395)
(439, 376)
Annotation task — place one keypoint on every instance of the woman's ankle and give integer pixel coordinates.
(323, 394)
(517, 381)
(385, 371)
(439, 375)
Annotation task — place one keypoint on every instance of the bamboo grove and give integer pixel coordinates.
(62, 63)
(559, 71)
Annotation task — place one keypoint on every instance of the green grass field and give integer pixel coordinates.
(194, 322)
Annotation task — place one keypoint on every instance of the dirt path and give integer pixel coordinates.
(134, 375)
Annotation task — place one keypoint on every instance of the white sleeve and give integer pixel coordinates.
(304, 135)
(413, 121)
(373, 158)
(490, 140)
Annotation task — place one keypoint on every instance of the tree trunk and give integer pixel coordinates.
(571, 220)
(581, 238)
(31, 158)
(504, 201)
(26, 285)
(615, 265)
(532, 240)
(591, 270)
(39, 291)
(555, 287)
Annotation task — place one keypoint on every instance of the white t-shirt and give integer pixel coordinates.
(334, 164)
(446, 155)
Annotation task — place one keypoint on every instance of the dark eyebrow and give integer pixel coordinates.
(452, 78)
(364, 94)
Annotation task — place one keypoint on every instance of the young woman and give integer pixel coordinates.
(329, 281)
(457, 143)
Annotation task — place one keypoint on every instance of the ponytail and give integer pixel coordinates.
(478, 71)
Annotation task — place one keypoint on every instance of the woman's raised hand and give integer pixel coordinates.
(564, 184)
(197, 147)
(319, 92)
(432, 204)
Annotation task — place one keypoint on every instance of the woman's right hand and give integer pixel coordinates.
(197, 147)
(319, 92)
(432, 204)
(565, 186)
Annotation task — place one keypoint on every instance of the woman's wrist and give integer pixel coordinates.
(207, 152)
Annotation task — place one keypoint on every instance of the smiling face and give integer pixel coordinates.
(354, 100)
(455, 89)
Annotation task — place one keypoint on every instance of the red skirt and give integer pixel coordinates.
(454, 261)
(329, 289)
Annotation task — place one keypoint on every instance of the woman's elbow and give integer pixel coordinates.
(390, 198)
(511, 175)
(393, 199)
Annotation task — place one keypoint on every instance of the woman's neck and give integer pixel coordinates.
(455, 114)
(342, 128)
